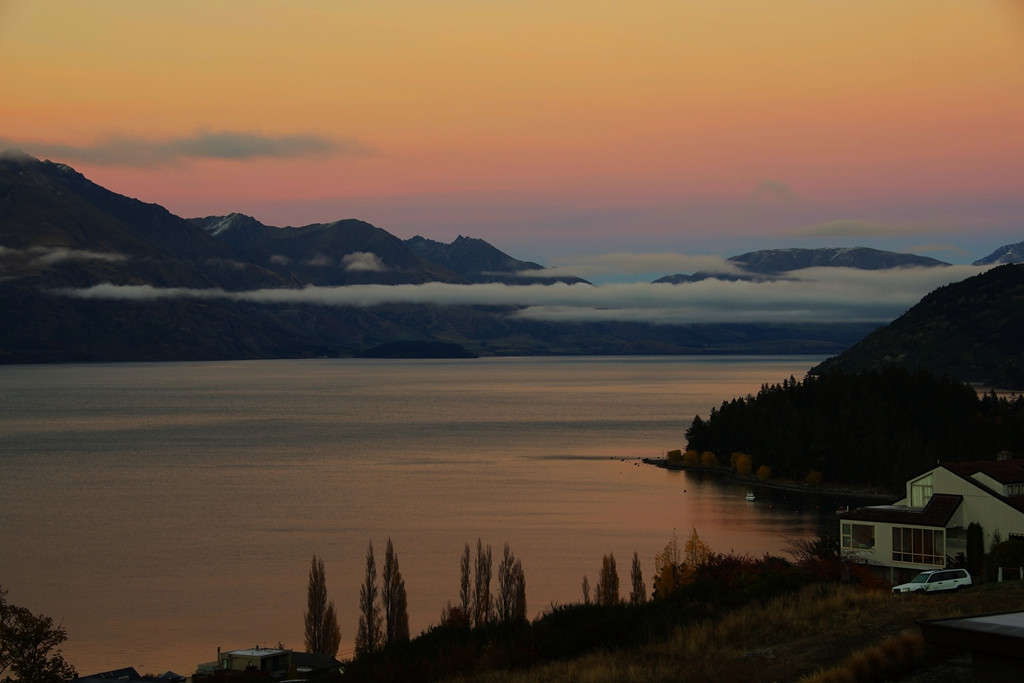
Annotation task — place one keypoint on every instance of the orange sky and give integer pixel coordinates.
(308, 109)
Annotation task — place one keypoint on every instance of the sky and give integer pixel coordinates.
(597, 136)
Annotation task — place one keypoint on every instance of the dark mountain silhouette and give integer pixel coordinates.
(478, 261)
(61, 230)
(182, 289)
(971, 330)
(775, 263)
(344, 252)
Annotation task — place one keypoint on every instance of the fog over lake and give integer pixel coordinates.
(160, 511)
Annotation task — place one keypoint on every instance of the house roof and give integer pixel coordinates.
(128, 673)
(937, 512)
(1003, 471)
(994, 641)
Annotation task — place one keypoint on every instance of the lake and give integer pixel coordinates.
(160, 511)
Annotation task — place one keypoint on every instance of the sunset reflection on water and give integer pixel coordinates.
(160, 511)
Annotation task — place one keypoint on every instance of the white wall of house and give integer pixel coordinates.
(994, 515)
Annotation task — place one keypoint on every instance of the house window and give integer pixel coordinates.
(919, 546)
(858, 536)
(921, 491)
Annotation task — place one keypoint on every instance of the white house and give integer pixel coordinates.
(929, 526)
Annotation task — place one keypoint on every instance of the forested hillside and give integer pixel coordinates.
(971, 330)
(873, 429)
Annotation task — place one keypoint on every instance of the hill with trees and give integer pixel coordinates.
(970, 330)
(872, 429)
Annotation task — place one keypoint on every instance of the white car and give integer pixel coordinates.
(936, 580)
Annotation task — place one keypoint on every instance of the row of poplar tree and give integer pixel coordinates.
(387, 623)
(377, 627)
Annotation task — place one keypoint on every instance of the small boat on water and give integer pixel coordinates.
(751, 497)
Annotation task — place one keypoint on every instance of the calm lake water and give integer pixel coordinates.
(161, 511)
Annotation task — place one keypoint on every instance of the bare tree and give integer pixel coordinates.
(586, 590)
(323, 635)
(608, 582)
(519, 584)
(369, 635)
(511, 604)
(465, 595)
(482, 595)
(396, 617)
(638, 595)
(504, 602)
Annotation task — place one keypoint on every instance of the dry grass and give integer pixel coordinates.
(833, 634)
(893, 655)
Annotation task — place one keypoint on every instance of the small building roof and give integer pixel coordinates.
(995, 641)
(258, 652)
(936, 513)
(127, 673)
(315, 661)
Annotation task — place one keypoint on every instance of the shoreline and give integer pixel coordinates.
(781, 484)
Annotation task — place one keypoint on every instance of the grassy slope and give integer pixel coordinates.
(824, 633)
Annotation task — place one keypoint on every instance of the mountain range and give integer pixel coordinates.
(770, 264)
(64, 239)
(1011, 253)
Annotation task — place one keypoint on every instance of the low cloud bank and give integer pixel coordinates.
(365, 261)
(600, 266)
(140, 151)
(48, 256)
(812, 295)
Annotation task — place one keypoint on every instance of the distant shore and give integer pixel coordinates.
(837, 490)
